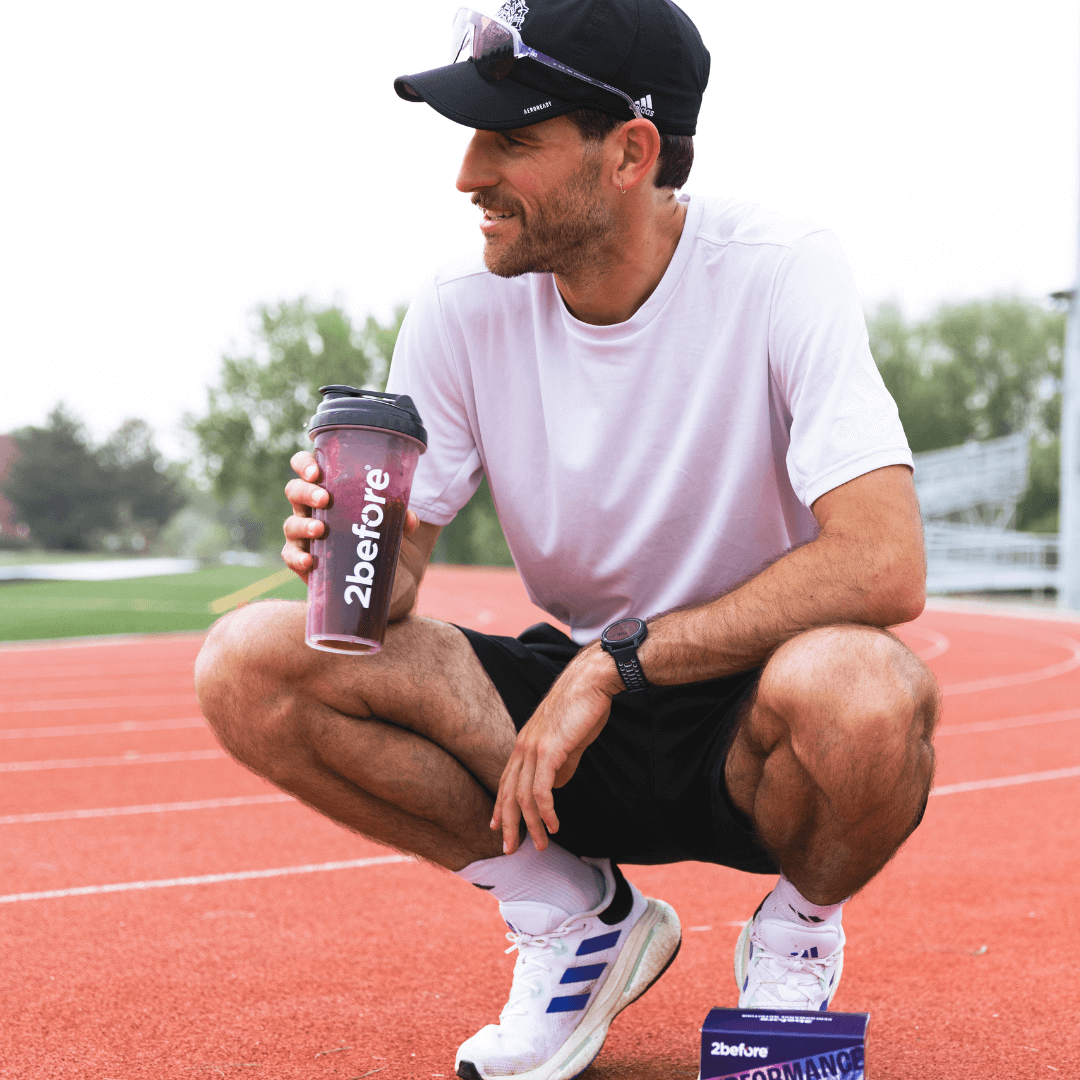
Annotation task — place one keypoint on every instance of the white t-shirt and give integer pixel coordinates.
(659, 462)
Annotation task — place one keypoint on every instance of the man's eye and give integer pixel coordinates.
(510, 141)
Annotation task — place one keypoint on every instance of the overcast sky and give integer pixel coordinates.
(169, 166)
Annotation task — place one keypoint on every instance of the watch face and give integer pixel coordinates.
(620, 631)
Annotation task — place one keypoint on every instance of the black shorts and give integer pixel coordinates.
(651, 788)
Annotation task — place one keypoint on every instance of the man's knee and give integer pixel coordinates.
(247, 676)
(857, 682)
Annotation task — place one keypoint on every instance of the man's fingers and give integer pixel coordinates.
(527, 804)
(298, 527)
(304, 465)
(500, 795)
(567, 769)
(303, 495)
(297, 560)
(542, 799)
(506, 807)
(412, 523)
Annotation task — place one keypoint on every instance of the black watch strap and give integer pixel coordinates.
(630, 669)
(621, 640)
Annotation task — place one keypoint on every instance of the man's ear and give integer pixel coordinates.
(639, 146)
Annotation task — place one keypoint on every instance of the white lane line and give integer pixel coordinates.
(999, 682)
(204, 879)
(939, 643)
(131, 701)
(1006, 781)
(118, 728)
(124, 726)
(29, 672)
(149, 808)
(130, 758)
(1009, 722)
(318, 868)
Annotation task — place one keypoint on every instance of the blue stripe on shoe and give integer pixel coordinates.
(597, 944)
(585, 973)
(568, 1004)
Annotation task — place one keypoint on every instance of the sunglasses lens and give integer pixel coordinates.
(461, 37)
(462, 47)
(493, 51)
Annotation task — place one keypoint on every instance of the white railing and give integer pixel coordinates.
(978, 482)
(974, 558)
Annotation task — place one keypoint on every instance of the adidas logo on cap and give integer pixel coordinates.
(645, 105)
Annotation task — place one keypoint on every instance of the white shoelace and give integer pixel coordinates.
(804, 976)
(534, 951)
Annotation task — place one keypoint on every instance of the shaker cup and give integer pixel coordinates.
(367, 446)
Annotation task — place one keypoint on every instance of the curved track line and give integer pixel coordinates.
(1010, 722)
(1007, 781)
(205, 879)
(129, 702)
(150, 808)
(939, 643)
(123, 759)
(119, 728)
(999, 682)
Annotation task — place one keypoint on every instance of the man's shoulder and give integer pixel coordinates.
(470, 273)
(464, 286)
(726, 221)
(460, 268)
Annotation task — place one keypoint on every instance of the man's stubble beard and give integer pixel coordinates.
(567, 235)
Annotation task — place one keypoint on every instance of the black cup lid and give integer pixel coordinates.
(346, 406)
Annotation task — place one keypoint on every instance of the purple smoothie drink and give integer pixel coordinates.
(367, 446)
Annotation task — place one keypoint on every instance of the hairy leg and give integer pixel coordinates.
(405, 746)
(833, 760)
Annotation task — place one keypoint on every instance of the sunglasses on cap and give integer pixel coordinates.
(494, 47)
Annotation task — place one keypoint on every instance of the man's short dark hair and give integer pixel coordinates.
(676, 151)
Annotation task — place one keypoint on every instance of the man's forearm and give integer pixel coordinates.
(413, 559)
(866, 567)
(827, 581)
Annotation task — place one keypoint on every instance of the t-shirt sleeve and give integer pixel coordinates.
(844, 423)
(424, 368)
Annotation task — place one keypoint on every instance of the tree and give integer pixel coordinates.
(57, 485)
(147, 490)
(257, 418)
(980, 370)
(475, 536)
(71, 495)
(1038, 511)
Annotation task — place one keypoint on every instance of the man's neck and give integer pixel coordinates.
(623, 277)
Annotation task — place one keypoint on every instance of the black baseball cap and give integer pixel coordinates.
(648, 49)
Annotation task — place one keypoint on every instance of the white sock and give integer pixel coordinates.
(787, 903)
(553, 877)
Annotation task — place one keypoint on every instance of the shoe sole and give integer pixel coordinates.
(649, 951)
(742, 960)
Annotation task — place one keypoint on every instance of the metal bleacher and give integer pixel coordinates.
(968, 496)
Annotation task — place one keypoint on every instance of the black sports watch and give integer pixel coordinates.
(621, 641)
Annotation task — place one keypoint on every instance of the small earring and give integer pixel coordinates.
(621, 188)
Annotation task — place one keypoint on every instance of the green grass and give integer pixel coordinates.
(56, 609)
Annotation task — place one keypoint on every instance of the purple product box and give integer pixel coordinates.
(767, 1044)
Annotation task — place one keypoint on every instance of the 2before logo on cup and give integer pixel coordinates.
(367, 446)
(367, 550)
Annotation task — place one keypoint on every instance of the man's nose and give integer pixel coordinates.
(476, 170)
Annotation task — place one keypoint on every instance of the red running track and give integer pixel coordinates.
(963, 949)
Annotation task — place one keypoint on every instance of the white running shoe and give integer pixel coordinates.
(782, 965)
(571, 980)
